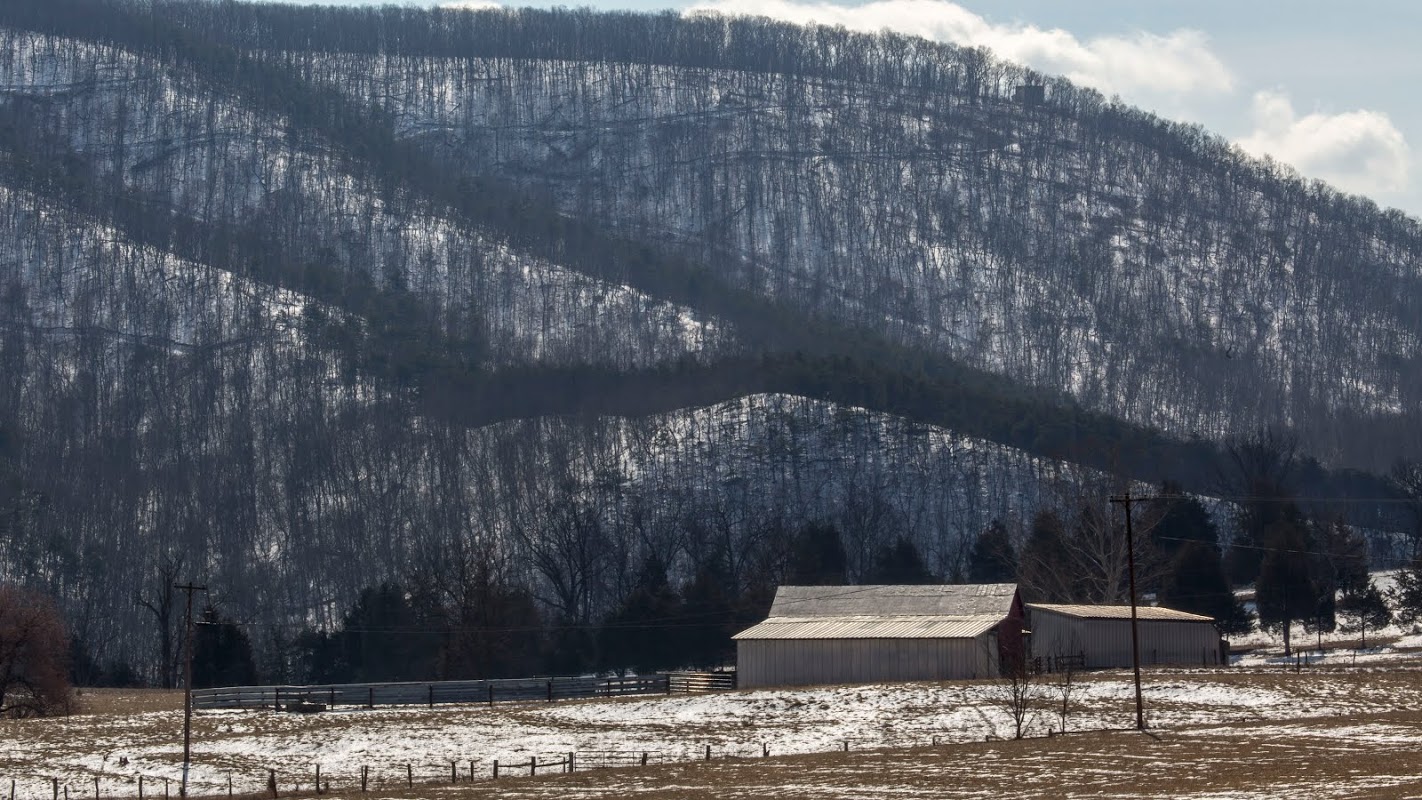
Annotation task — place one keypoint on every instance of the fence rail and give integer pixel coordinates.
(368, 695)
(700, 682)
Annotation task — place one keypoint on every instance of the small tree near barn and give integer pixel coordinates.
(34, 655)
(1018, 691)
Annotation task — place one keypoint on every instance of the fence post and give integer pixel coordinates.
(708, 752)
(454, 772)
(667, 678)
(318, 779)
(370, 700)
(409, 777)
(364, 777)
(496, 769)
(96, 787)
(533, 765)
(271, 783)
(570, 762)
(276, 698)
(229, 784)
(846, 745)
(56, 788)
(140, 788)
(471, 770)
(491, 694)
(644, 759)
(431, 697)
(550, 690)
(165, 790)
(764, 750)
(332, 704)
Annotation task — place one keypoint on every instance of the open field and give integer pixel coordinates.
(1347, 757)
(1253, 732)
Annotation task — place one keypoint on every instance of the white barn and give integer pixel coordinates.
(1102, 635)
(870, 634)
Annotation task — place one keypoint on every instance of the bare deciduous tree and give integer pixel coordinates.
(34, 655)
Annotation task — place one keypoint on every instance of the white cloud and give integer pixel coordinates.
(1357, 151)
(1178, 63)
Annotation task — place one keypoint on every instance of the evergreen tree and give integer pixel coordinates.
(1045, 568)
(1182, 519)
(817, 558)
(222, 653)
(1406, 592)
(1261, 468)
(1195, 581)
(645, 633)
(494, 630)
(1364, 609)
(1286, 592)
(900, 564)
(992, 559)
(386, 638)
(709, 608)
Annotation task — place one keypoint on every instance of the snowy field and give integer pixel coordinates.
(1365, 707)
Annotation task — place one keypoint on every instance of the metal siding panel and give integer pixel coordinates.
(1107, 642)
(799, 663)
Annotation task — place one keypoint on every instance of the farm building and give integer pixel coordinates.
(1102, 634)
(868, 634)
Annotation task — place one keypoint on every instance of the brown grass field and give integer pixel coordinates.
(1244, 761)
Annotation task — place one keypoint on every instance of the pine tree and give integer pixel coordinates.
(1195, 581)
(1285, 591)
(1045, 568)
(817, 558)
(900, 564)
(1406, 592)
(1365, 608)
(645, 631)
(222, 653)
(993, 559)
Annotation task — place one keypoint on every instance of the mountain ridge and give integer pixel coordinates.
(485, 301)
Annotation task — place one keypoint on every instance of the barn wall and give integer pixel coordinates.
(803, 662)
(1107, 642)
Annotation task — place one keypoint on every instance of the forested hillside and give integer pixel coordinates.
(552, 316)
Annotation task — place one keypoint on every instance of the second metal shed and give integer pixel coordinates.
(1102, 634)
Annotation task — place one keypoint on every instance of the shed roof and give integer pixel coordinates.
(1155, 613)
(963, 600)
(916, 626)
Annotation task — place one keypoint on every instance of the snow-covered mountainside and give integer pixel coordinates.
(304, 300)
(1148, 270)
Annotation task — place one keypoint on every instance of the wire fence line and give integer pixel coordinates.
(307, 779)
(291, 779)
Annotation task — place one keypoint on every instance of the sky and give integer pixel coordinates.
(1328, 87)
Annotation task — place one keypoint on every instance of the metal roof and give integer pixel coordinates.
(963, 600)
(916, 626)
(1119, 612)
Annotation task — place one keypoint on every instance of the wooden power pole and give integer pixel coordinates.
(189, 588)
(1126, 500)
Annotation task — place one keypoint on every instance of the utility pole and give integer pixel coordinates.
(189, 588)
(1126, 500)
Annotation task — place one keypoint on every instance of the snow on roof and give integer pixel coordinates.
(917, 626)
(962, 600)
(1153, 613)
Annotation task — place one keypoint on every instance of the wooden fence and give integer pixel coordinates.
(370, 695)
